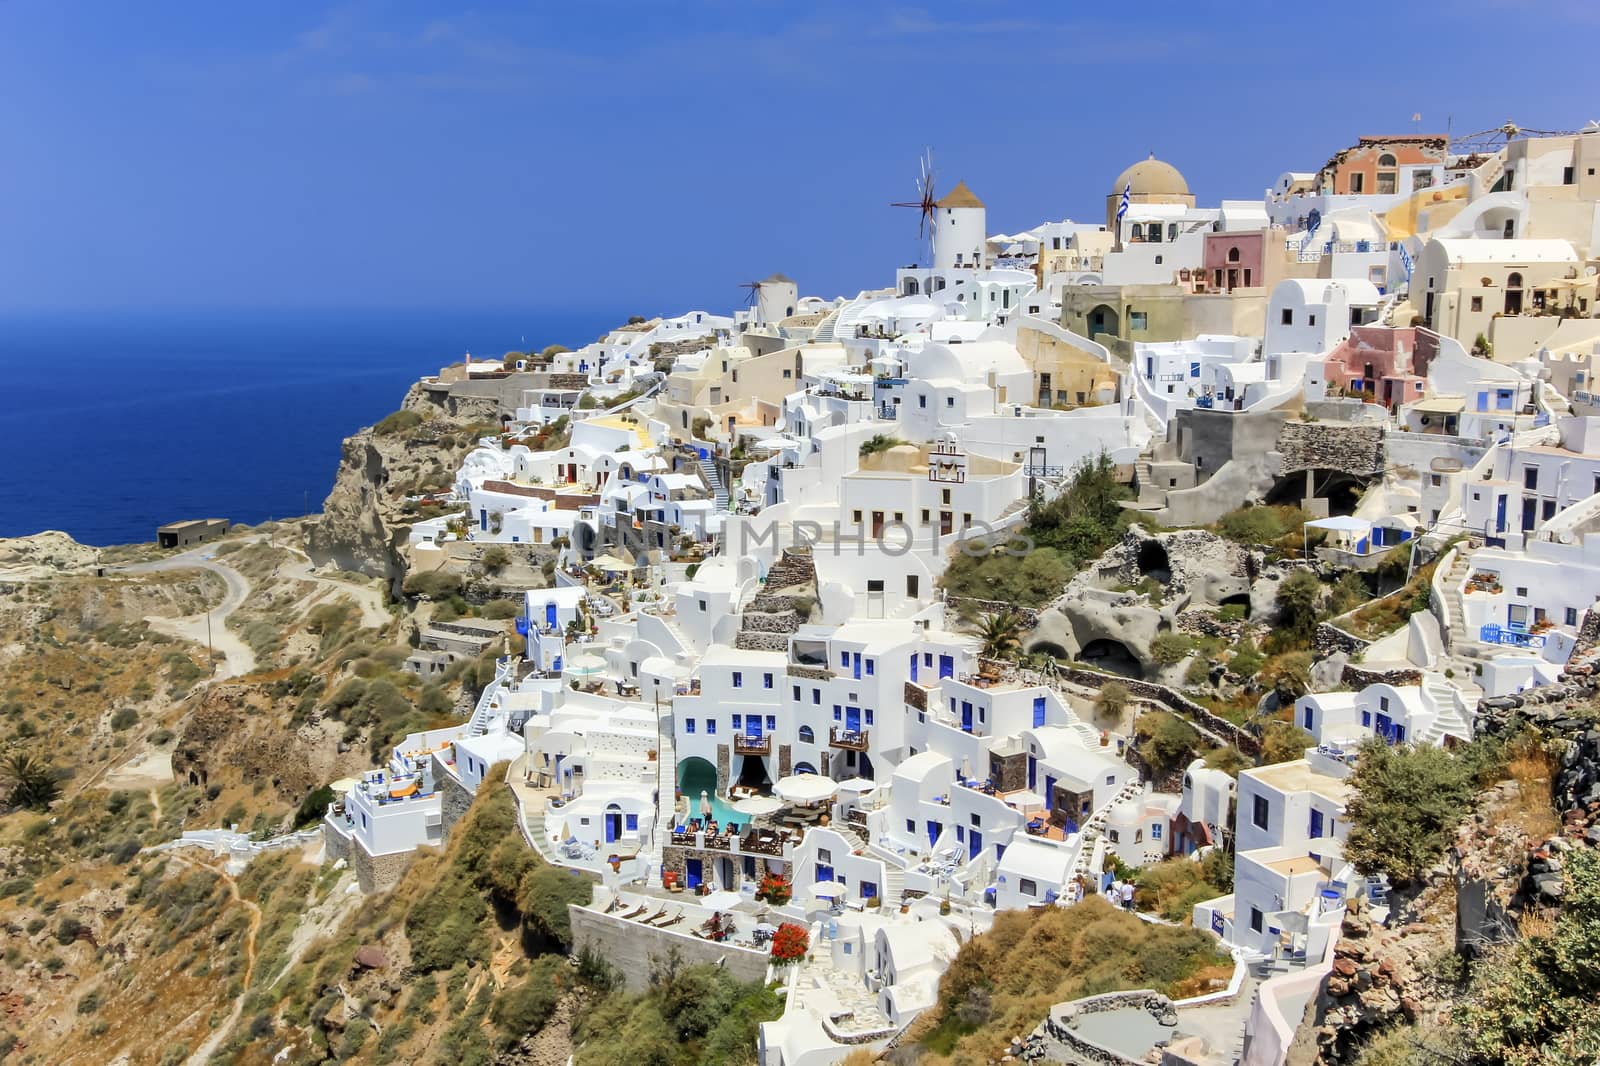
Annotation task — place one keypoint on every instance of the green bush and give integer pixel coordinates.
(879, 442)
(445, 925)
(433, 584)
(523, 1008)
(1406, 803)
(1170, 648)
(1284, 742)
(1166, 741)
(314, 806)
(500, 610)
(543, 895)
(1030, 581)
(399, 422)
(496, 559)
(124, 718)
(1298, 600)
(1259, 525)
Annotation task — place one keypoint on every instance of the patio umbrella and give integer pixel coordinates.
(805, 788)
(828, 889)
(705, 804)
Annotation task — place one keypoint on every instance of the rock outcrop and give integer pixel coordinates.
(363, 527)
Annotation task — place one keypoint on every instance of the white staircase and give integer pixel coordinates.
(1448, 718)
(1456, 637)
(1090, 830)
(666, 809)
(714, 480)
(894, 885)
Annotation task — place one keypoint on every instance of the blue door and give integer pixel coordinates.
(947, 666)
(966, 716)
(752, 726)
(550, 614)
(852, 719)
(869, 889)
(855, 666)
(1038, 711)
(1500, 515)
(483, 518)
(1049, 792)
(613, 827)
(933, 833)
(1033, 772)
(824, 873)
(693, 872)
(913, 666)
(1316, 824)
(974, 844)
(1385, 727)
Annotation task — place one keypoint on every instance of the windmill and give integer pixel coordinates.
(755, 291)
(926, 201)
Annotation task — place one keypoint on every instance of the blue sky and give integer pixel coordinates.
(650, 157)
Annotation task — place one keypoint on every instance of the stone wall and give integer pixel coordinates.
(377, 872)
(1174, 701)
(1350, 447)
(1329, 639)
(454, 799)
(1359, 677)
(636, 950)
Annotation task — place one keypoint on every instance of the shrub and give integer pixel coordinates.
(314, 806)
(1170, 648)
(1289, 675)
(433, 584)
(1260, 525)
(543, 896)
(1030, 581)
(1246, 661)
(496, 559)
(398, 422)
(500, 610)
(1113, 698)
(879, 442)
(67, 930)
(1406, 803)
(124, 718)
(1166, 741)
(444, 925)
(523, 1008)
(1284, 742)
(1298, 598)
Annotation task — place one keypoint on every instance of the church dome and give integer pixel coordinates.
(1151, 177)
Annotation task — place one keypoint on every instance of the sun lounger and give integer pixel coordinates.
(669, 924)
(614, 905)
(676, 917)
(654, 917)
(631, 915)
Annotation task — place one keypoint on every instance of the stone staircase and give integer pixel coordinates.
(719, 492)
(1090, 830)
(767, 621)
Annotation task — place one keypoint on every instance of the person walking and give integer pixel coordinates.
(1127, 895)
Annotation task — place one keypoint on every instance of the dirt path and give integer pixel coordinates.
(212, 626)
(203, 1053)
(374, 609)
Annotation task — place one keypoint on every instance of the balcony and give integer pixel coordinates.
(848, 739)
(748, 745)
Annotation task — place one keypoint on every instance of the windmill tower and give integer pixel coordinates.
(955, 224)
(774, 298)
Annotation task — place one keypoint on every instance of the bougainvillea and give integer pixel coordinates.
(789, 944)
(775, 889)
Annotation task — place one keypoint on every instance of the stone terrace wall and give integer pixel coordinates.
(1346, 446)
(634, 948)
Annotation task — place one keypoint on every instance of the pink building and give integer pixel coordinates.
(1234, 261)
(1381, 364)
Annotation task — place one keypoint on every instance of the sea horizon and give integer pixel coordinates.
(128, 419)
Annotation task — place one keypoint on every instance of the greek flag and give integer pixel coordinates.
(1405, 261)
(1127, 193)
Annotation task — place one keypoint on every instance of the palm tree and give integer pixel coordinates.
(1001, 633)
(29, 781)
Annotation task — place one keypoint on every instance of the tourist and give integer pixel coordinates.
(1127, 895)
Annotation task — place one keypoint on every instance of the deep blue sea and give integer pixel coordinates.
(113, 424)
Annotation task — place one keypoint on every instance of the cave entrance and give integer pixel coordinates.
(1050, 648)
(1112, 656)
(1242, 600)
(1153, 562)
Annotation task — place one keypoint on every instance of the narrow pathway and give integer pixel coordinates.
(203, 1053)
(374, 608)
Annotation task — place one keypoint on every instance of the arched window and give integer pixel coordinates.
(1513, 280)
(1386, 160)
(1137, 232)
(1233, 255)
(807, 736)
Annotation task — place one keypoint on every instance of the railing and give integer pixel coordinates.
(849, 739)
(757, 844)
(1493, 634)
(749, 745)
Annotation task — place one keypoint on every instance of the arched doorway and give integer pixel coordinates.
(912, 288)
(1153, 561)
(1103, 319)
(1514, 293)
(804, 768)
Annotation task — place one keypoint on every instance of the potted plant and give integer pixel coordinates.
(789, 944)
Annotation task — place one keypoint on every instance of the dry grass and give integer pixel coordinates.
(1532, 767)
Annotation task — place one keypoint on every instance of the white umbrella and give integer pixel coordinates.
(721, 901)
(828, 889)
(805, 788)
(705, 804)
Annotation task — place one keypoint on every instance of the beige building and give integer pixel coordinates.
(1496, 288)
(1119, 315)
(736, 387)
(1065, 375)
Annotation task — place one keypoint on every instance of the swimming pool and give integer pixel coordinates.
(695, 775)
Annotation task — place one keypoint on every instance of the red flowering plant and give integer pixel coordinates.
(789, 944)
(775, 889)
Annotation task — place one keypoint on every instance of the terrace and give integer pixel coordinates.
(848, 739)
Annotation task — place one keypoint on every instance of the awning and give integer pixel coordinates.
(610, 564)
(1439, 405)
(1341, 524)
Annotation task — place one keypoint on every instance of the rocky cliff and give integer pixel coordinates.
(364, 524)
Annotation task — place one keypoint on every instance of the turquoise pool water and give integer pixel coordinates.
(697, 774)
